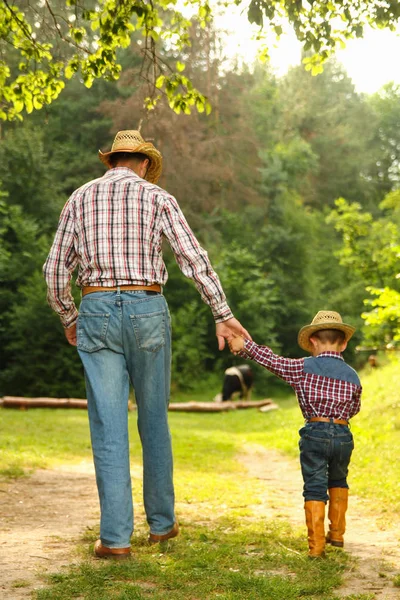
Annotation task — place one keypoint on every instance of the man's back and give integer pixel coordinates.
(118, 230)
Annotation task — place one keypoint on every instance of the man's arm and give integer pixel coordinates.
(194, 263)
(58, 270)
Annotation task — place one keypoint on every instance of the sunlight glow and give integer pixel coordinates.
(370, 62)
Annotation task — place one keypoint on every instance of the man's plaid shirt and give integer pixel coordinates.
(325, 385)
(112, 228)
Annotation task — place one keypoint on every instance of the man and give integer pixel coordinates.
(111, 228)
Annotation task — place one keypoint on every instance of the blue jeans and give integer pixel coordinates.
(126, 337)
(325, 452)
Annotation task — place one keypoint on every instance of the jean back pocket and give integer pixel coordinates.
(92, 331)
(149, 330)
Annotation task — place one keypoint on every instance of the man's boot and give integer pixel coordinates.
(315, 517)
(338, 500)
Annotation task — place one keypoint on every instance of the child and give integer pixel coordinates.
(329, 392)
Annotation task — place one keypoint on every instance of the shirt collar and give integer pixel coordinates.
(120, 171)
(331, 355)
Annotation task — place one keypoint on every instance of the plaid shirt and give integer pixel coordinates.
(112, 227)
(325, 385)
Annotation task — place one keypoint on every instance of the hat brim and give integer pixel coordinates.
(155, 169)
(307, 331)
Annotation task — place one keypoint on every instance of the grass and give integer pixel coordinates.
(225, 551)
(31, 439)
(229, 562)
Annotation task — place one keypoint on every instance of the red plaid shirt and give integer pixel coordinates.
(323, 388)
(112, 227)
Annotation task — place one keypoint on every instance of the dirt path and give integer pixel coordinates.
(376, 547)
(41, 517)
(44, 516)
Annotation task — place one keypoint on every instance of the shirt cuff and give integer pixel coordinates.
(221, 312)
(247, 350)
(69, 319)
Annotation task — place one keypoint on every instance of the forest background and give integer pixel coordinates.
(291, 184)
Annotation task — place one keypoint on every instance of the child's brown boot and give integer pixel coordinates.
(315, 517)
(338, 500)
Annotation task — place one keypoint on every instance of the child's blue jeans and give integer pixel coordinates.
(325, 452)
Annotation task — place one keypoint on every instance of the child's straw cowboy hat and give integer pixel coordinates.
(132, 141)
(324, 319)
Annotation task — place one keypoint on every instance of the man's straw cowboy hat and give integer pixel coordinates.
(324, 319)
(131, 141)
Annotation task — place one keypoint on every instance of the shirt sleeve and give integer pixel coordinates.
(288, 369)
(59, 267)
(356, 402)
(193, 260)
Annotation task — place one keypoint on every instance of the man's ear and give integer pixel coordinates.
(343, 346)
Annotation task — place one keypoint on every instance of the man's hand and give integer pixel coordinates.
(228, 330)
(70, 334)
(236, 345)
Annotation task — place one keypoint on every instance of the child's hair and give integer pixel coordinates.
(330, 336)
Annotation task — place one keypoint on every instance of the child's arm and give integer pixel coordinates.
(289, 369)
(356, 402)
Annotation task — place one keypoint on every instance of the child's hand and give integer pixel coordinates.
(236, 344)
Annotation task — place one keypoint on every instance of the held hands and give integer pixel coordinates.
(236, 345)
(228, 330)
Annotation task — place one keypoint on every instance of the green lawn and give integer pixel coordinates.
(225, 552)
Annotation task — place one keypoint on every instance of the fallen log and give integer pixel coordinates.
(25, 403)
(220, 406)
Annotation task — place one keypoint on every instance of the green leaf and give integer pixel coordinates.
(18, 106)
(160, 81)
(69, 71)
(28, 105)
(200, 106)
(254, 14)
(180, 66)
(37, 103)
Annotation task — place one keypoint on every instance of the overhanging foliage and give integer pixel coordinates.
(43, 43)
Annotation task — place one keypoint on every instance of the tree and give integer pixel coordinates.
(26, 176)
(54, 40)
(385, 105)
(340, 128)
(34, 357)
(371, 250)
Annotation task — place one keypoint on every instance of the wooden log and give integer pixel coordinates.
(25, 403)
(252, 403)
(201, 406)
(220, 406)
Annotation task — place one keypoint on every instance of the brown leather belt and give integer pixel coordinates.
(90, 289)
(327, 420)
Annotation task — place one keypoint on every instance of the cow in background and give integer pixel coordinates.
(238, 381)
